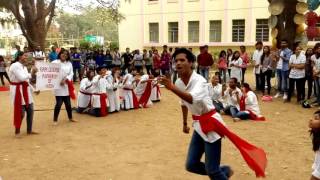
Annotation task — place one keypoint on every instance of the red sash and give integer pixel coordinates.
(103, 103)
(146, 95)
(134, 97)
(18, 102)
(255, 157)
(252, 115)
(72, 93)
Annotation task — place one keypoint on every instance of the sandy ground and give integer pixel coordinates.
(145, 144)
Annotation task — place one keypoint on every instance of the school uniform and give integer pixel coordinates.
(85, 94)
(316, 165)
(130, 100)
(21, 95)
(297, 77)
(249, 108)
(114, 104)
(65, 91)
(236, 72)
(155, 93)
(99, 99)
(143, 91)
(231, 105)
(215, 93)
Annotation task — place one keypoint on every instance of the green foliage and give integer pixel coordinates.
(84, 44)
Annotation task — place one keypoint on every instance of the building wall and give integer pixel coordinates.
(134, 31)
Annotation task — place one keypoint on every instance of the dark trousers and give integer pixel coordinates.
(266, 76)
(57, 108)
(5, 75)
(299, 83)
(95, 112)
(139, 68)
(223, 73)
(258, 82)
(218, 106)
(212, 152)
(149, 69)
(243, 75)
(309, 80)
(29, 111)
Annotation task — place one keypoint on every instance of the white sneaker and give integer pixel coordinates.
(277, 95)
(285, 96)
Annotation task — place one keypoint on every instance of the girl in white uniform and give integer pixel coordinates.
(130, 100)
(99, 100)
(85, 92)
(112, 85)
(141, 91)
(236, 66)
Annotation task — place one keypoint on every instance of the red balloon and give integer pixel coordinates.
(311, 18)
(312, 32)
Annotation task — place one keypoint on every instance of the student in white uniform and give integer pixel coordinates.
(236, 66)
(193, 91)
(117, 80)
(111, 92)
(99, 100)
(21, 92)
(66, 90)
(231, 98)
(155, 93)
(143, 90)
(249, 106)
(215, 93)
(130, 100)
(85, 92)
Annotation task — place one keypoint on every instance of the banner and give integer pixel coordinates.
(48, 76)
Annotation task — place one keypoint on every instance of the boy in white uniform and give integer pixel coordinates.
(99, 98)
(231, 98)
(155, 93)
(130, 100)
(143, 91)
(112, 85)
(85, 92)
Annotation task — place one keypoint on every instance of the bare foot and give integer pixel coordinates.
(18, 136)
(236, 119)
(73, 120)
(32, 133)
(55, 123)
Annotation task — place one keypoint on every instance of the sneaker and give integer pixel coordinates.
(277, 95)
(285, 96)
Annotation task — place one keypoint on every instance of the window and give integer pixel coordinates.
(215, 31)
(173, 32)
(154, 32)
(193, 31)
(238, 30)
(262, 30)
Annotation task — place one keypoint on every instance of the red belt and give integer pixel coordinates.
(103, 103)
(146, 95)
(71, 90)
(134, 97)
(255, 157)
(158, 90)
(17, 117)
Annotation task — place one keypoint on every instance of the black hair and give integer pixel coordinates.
(315, 135)
(265, 54)
(1, 58)
(309, 55)
(242, 46)
(316, 46)
(223, 52)
(19, 54)
(234, 79)
(234, 55)
(259, 43)
(185, 51)
(63, 51)
(285, 40)
(88, 72)
(247, 86)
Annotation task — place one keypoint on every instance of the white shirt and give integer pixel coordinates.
(215, 92)
(232, 100)
(256, 57)
(66, 73)
(252, 103)
(141, 86)
(100, 86)
(19, 73)
(138, 58)
(316, 61)
(198, 89)
(297, 73)
(83, 100)
(128, 81)
(280, 62)
(38, 54)
(236, 72)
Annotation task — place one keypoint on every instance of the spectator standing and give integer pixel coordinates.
(75, 59)
(257, 64)
(138, 61)
(156, 62)
(99, 58)
(53, 55)
(165, 60)
(309, 71)
(222, 65)
(205, 61)
(38, 55)
(245, 61)
(108, 59)
(127, 61)
(116, 58)
(236, 65)
(266, 69)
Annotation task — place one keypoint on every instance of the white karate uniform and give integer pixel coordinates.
(215, 92)
(252, 103)
(113, 98)
(232, 100)
(141, 87)
(66, 73)
(198, 88)
(127, 94)
(236, 72)
(83, 99)
(155, 95)
(100, 86)
(18, 73)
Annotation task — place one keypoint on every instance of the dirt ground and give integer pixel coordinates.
(145, 144)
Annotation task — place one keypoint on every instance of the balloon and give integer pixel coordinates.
(300, 29)
(274, 32)
(311, 18)
(299, 19)
(273, 20)
(313, 4)
(312, 32)
(302, 7)
(276, 8)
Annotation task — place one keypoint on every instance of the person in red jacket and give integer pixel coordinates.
(205, 61)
